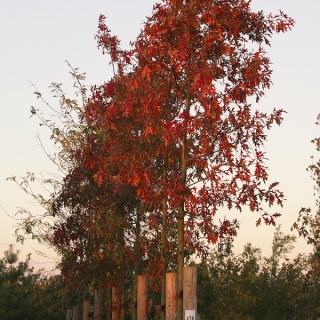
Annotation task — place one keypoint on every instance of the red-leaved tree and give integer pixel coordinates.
(177, 121)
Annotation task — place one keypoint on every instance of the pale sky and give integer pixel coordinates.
(36, 37)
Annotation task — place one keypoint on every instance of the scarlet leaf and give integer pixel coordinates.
(258, 222)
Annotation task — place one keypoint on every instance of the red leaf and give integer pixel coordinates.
(258, 222)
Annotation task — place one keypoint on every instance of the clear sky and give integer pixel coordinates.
(38, 36)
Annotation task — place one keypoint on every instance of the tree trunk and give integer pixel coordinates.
(137, 267)
(115, 303)
(123, 301)
(164, 247)
(180, 228)
(123, 267)
(109, 303)
(181, 212)
(98, 304)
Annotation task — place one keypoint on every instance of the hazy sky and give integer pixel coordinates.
(36, 37)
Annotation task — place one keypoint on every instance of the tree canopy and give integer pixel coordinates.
(176, 122)
(174, 136)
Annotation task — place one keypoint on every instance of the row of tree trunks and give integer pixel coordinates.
(172, 294)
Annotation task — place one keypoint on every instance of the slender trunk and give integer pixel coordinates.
(180, 228)
(164, 245)
(123, 268)
(137, 267)
(181, 212)
(180, 261)
(134, 296)
(109, 303)
(116, 304)
(122, 302)
(98, 304)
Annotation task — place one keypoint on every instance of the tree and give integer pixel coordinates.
(170, 139)
(66, 129)
(274, 271)
(95, 246)
(177, 122)
(308, 226)
(29, 295)
(249, 286)
(228, 289)
(10, 256)
(14, 304)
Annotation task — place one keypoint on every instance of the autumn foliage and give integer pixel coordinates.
(180, 101)
(174, 136)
